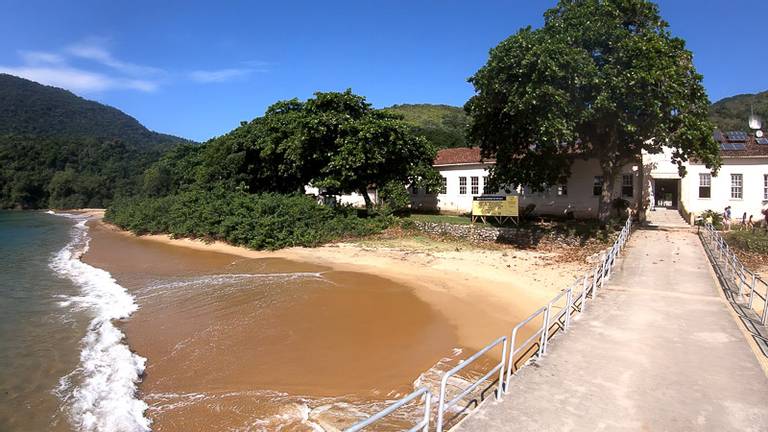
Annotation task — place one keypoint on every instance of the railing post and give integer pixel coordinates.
(427, 410)
(504, 352)
(594, 281)
(584, 284)
(568, 307)
(544, 331)
(752, 290)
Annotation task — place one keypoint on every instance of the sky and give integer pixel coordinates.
(197, 69)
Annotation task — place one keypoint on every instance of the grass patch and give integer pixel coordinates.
(748, 241)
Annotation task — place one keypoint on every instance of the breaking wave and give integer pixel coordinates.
(100, 394)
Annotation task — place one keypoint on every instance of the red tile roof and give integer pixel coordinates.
(460, 156)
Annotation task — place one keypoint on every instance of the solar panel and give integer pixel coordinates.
(718, 136)
(725, 146)
(738, 146)
(736, 136)
(762, 140)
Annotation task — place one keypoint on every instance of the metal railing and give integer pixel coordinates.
(423, 424)
(512, 353)
(444, 405)
(734, 274)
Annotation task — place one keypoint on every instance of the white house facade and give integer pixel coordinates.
(742, 183)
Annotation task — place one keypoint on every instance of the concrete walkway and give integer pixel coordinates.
(657, 351)
(668, 219)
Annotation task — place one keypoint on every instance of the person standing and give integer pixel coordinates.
(727, 218)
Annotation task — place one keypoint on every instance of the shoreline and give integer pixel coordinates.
(502, 285)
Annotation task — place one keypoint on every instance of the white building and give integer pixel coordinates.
(742, 183)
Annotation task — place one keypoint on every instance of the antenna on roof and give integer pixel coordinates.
(755, 123)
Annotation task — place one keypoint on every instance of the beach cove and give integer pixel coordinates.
(309, 338)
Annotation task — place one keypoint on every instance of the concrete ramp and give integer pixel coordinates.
(659, 350)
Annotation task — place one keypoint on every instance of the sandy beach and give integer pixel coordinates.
(305, 338)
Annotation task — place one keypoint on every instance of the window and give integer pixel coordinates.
(737, 186)
(444, 186)
(627, 185)
(705, 185)
(485, 185)
(765, 187)
(475, 185)
(462, 185)
(597, 186)
(562, 190)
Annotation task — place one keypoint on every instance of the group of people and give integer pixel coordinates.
(748, 224)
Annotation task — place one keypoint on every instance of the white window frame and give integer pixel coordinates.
(628, 184)
(485, 183)
(737, 186)
(705, 181)
(765, 187)
(474, 183)
(444, 185)
(462, 185)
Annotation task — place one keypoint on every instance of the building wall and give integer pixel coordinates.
(753, 188)
(452, 201)
(578, 199)
(354, 199)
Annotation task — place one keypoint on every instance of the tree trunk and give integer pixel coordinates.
(368, 202)
(606, 197)
(641, 205)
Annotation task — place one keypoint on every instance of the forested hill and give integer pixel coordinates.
(62, 151)
(732, 112)
(443, 125)
(31, 109)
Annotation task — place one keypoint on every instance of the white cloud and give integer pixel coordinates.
(77, 80)
(220, 75)
(41, 57)
(94, 50)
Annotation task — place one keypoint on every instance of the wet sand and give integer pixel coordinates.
(305, 338)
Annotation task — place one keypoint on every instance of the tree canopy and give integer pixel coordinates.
(601, 79)
(334, 140)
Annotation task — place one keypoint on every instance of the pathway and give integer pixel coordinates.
(657, 351)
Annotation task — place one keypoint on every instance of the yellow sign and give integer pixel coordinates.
(495, 205)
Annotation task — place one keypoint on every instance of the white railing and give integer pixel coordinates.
(511, 351)
(444, 405)
(423, 424)
(735, 276)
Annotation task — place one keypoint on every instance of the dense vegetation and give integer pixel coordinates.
(733, 112)
(247, 186)
(67, 173)
(59, 150)
(257, 221)
(600, 79)
(442, 125)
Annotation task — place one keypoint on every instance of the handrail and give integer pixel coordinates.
(590, 281)
(443, 406)
(733, 272)
(423, 424)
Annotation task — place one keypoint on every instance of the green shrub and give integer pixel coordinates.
(395, 197)
(263, 221)
(716, 217)
(750, 241)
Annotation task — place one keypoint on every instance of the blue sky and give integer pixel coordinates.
(197, 69)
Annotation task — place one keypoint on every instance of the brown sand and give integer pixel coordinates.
(350, 325)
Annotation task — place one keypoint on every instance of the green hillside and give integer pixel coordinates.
(443, 125)
(732, 112)
(60, 150)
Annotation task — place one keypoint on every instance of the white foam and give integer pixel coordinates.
(100, 394)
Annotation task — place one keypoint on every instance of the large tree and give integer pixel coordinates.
(334, 140)
(601, 79)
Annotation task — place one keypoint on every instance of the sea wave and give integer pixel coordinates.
(100, 394)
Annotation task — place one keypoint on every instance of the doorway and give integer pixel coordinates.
(666, 192)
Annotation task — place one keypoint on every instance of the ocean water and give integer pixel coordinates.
(63, 361)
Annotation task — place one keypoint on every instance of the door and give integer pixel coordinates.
(666, 192)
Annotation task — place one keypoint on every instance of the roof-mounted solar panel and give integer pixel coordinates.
(718, 136)
(762, 140)
(737, 136)
(725, 146)
(738, 146)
